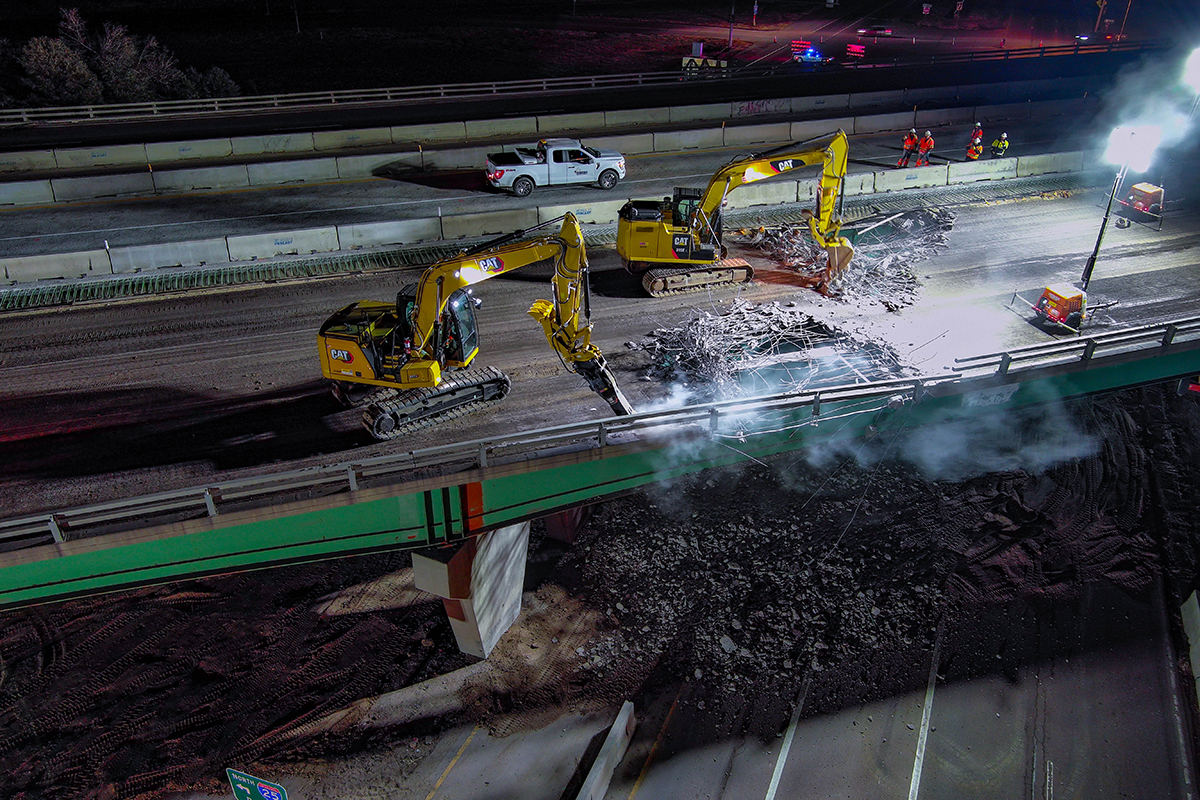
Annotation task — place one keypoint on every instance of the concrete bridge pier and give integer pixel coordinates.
(480, 582)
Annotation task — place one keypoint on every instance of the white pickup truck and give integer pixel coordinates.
(553, 162)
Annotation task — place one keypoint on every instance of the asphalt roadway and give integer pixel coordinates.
(89, 225)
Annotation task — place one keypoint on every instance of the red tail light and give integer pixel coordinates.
(495, 175)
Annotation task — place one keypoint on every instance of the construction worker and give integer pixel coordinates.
(976, 134)
(910, 147)
(1000, 146)
(924, 148)
(975, 149)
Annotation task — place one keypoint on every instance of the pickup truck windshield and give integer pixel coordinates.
(593, 152)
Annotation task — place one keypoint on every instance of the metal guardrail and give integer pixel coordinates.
(734, 419)
(264, 104)
(1082, 349)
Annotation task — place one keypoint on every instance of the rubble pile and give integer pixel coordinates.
(884, 254)
(724, 356)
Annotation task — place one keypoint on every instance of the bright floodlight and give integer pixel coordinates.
(1133, 146)
(1191, 70)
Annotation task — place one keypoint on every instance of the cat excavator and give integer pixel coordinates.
(675, 244)
(408, 364)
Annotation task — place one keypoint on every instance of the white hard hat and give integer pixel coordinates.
(912, 130)
(1004, 136)
(927, 133)
(977, 125)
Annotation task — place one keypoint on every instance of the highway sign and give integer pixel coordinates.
(248, 787)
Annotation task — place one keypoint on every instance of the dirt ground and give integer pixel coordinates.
(837, 566)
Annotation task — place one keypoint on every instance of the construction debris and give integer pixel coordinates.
(885, 251)
(754, 349)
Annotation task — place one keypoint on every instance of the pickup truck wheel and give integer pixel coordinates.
(522, 186)
(608, 179)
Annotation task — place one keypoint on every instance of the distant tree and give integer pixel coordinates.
(213, 82)
(84, 67)
(57, 75)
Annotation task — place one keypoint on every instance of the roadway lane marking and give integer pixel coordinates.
(919, 760)
(781, 759)
(662, 732)
(450, 766)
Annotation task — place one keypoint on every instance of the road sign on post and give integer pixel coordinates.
(925, 8)
(248, 787)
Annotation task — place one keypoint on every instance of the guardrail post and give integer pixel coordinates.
(209, 500)
(1169, 335)
(1005, 361)
(602, 435)
(1088, 349)
(352, 477)
(56, 528)
(816, 405)
(482, 456)
(712, 419)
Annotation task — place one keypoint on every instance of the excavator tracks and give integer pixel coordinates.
(389, 413)
(663, 281)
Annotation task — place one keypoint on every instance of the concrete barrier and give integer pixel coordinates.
(183, 180)
(775, 133)
(433, 132)
(24, 193)
(118, 155)
(373, 234)
(858, 183)
(912, 178)
(823, 103)
(285, 243)
(627, 144)
(754, 108)
(802, 131)
(275, 173)
(930, 118)
(701, 113)
(82, 264)
(612, 750)
(130, 183)
(671, 141)
(383, 165)
(457, 158)
(1049, 163)
(602, 213)
(937, 95)
(279, 143)
(29, 161)
(766, 193)
(363, 137)
(634, 117)
(168, 152)
(1076, 107)
(488, 223)
(875, 99)
(494, 128)
(1005, 111)
(877, 123)
(176, 254)
(558, 123)
(1190, 613)
(990, 170)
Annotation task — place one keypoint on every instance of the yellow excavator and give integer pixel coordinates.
(407, 364)
(675, 244)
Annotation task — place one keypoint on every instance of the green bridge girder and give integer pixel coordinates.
(653, 448)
